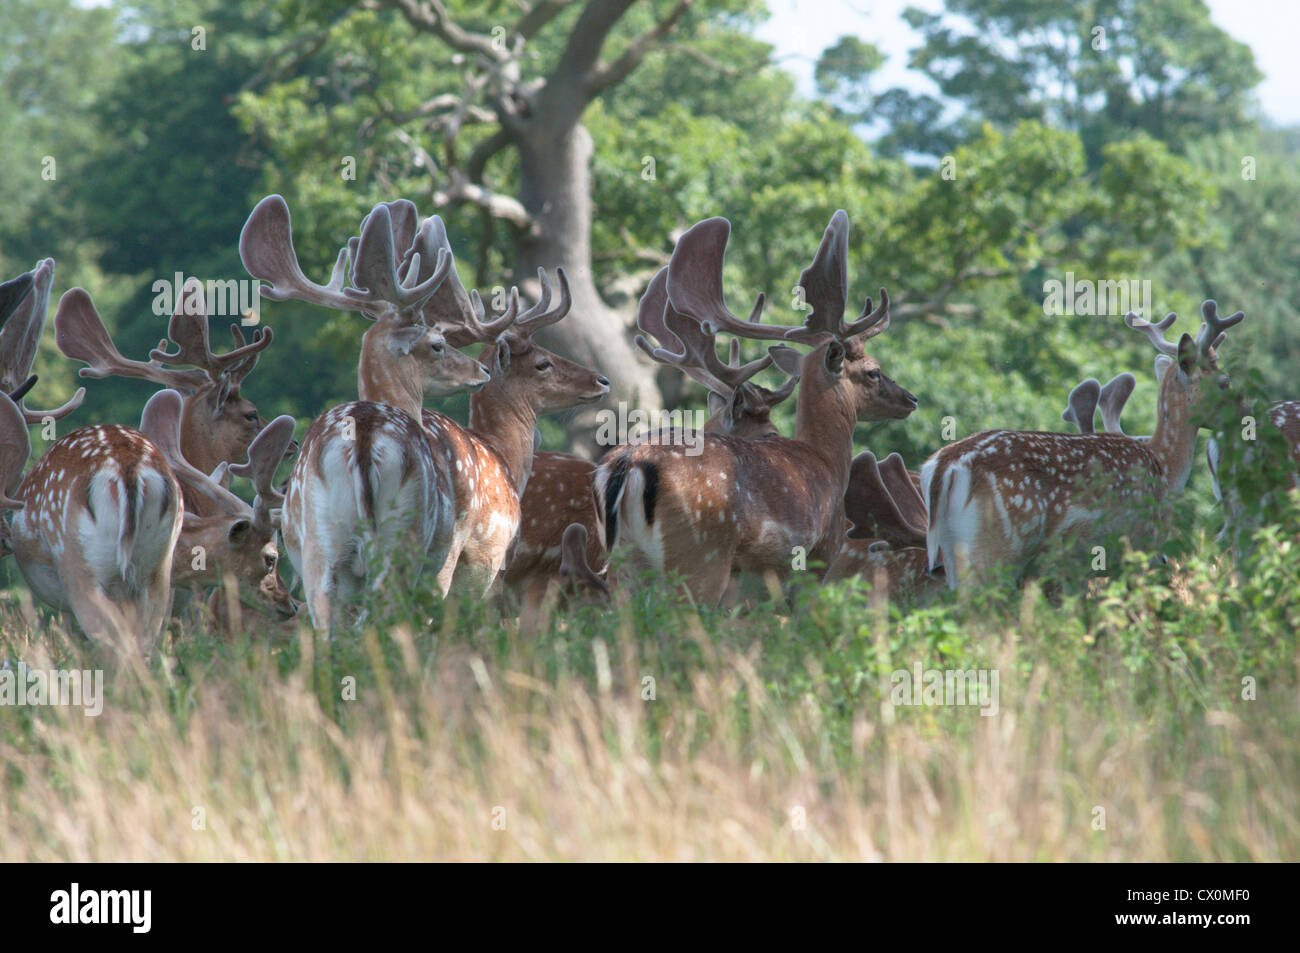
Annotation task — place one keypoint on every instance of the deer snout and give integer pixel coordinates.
(603, 384)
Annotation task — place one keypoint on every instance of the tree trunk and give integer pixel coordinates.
(555, 188)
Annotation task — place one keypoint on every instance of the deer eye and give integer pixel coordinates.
(544, 365)
(874, 375)
(251, 417)
(435, 347)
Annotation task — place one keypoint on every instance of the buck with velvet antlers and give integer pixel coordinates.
(753, 504)
(382, 469)
(559, 494)
(217, 422)
(996, 496)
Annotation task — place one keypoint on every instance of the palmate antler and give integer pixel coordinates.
(377, 290)
(80, 334)
(695, 288)
(686, 343)
(1081, 406)
(26, 300)
(882, 502)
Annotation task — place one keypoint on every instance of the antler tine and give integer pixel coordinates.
(15, 448)
(80, 334)
(1215, 328)
(375, 269)
(475, 328)
(266, 249)
(1155, 332)
(404, 218)
(237, 371)
(699, 354)
(161, 423)
(450, 306)
(1081, 407)
(188, 330)
(1112, 400)
(542, 315)
(695, 284)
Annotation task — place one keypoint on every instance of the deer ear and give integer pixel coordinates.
(1187, 353)
(786, 358)
(735, 409)
(503, 356)
(239, 530)
(834, 357)
(716, 402)
(1163, 363)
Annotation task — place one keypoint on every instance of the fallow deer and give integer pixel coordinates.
(753, 505)
(366, 476)
(232, 548)
(559, 492)
(24, 302)
(995, 496)
(217, 422)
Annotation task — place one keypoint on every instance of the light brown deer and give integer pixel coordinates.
(559, 492)
(492, 459)
(995, 496)
(367, 477)
(218, 423)
(755, 505)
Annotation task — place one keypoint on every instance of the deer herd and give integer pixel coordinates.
(124, 526)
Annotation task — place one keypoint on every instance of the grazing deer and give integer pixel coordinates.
(754, 505)
(559, 491)
(995, 496)
(217, 422)
(234, 544)
(366, 476)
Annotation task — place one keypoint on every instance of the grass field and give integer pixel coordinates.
(1148, 715)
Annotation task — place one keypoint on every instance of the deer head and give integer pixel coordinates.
(838, 362)
(217, 422)
(403, 358)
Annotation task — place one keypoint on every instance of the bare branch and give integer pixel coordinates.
(460, 189)
(541, 13)
(430, 16)
(613, 73)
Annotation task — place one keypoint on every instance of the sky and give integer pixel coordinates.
(801, 29)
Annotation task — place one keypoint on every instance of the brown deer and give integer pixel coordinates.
(559, 493)
(367, 477)
(995, 496)
(755, 505)
(492, 459)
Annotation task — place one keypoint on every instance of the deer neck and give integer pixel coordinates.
(383, 381)
(825, 415)
(1174, 439)
(506, 424)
